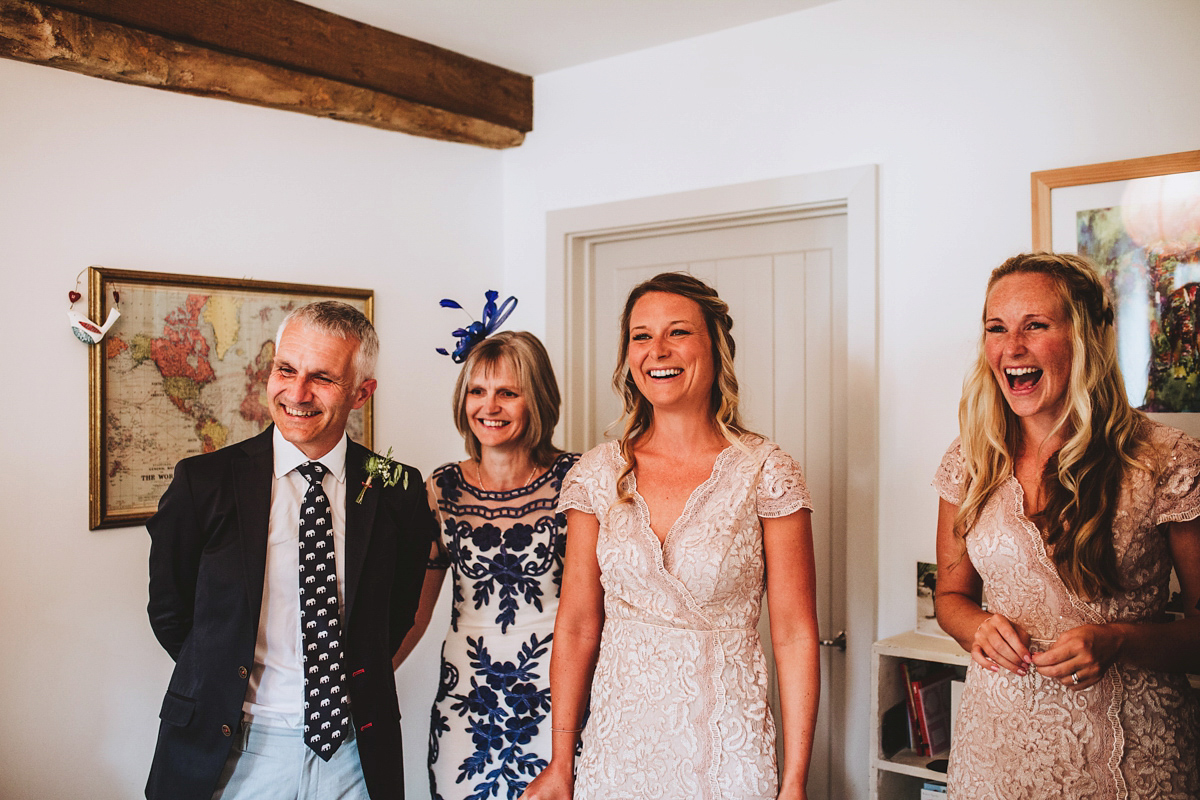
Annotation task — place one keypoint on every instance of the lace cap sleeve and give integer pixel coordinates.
(1178, 491)
(781, 489)
(576, 486)
(950, 475)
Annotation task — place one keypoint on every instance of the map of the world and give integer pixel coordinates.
(186, 373)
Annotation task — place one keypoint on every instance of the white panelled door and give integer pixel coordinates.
(785, 282)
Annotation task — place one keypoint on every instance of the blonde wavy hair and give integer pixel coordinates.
(638, 414)
(1104, 434)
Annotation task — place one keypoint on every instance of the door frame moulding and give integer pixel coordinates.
(571, 235)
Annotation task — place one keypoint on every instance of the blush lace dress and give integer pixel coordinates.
(490, 728)
(678, 705)
(1134, 734)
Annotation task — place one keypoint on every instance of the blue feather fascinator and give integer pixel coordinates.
(477, 331)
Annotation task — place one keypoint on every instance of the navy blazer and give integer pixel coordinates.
(208, 555)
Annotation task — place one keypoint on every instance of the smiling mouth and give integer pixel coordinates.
(493, 423)
(670, 372)
(295, 412)
(1022, 378)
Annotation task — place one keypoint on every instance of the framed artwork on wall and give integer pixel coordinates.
(1139, 222)
(183, 371)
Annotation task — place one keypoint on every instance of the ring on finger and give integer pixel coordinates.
(1075, 677)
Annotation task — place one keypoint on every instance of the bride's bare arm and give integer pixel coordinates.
(576, 645)
(993, 640)
(791, 599)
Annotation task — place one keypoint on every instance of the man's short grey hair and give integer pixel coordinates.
(345, 322)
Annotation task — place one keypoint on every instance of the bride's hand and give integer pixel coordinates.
(1000, 642)
(550, 785)
(1081, 656)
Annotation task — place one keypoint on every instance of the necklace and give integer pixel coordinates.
(482, 485)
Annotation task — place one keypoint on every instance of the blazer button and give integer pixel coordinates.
(242, 672)
(225, 730)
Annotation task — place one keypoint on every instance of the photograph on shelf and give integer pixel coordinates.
(926, 588)
(1139, 221)
(183, 371)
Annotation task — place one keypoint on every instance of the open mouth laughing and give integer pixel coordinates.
(1022, 379)
(494, 423)
(668, 372)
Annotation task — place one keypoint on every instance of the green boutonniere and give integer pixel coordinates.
(382, 467)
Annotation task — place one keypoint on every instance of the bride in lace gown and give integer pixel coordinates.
(1069, 510)
(671, 533)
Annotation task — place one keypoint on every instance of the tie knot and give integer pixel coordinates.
(313, 471)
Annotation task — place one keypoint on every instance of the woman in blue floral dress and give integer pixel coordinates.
(503, 539)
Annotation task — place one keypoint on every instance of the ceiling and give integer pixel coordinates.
(537, 36)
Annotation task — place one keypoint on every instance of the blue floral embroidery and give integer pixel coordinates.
(502, 714)
(506, 551)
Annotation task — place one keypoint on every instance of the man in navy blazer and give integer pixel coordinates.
(224, 581)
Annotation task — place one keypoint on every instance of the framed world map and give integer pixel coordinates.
(182, 372)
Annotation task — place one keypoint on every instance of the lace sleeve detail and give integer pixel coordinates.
(951, 474)
(1178, 491)
(781, 490)
(575, 487)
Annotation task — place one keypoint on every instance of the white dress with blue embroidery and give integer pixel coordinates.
(489, 730)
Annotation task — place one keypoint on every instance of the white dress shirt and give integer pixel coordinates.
(275, 694)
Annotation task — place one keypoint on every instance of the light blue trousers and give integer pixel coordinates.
(274, 763)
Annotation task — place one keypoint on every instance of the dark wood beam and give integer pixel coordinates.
(278, 54)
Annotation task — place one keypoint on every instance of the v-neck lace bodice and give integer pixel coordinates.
(1133, 735)
(678, 702)
(688, 505)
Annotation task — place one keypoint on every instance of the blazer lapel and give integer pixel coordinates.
(252, 486)
(360, 520)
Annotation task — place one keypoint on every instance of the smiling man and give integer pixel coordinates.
(281, 599)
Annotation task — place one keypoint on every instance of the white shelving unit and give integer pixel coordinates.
(900, 777)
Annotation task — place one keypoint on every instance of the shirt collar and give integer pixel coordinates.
(288, 457)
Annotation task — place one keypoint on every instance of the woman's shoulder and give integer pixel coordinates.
(1162, 437)
(562, 464)
(450, 471)
(760, 449)
(1171, 448)
(605, 453)
(951, 473)
(565, 459)
(446, 481)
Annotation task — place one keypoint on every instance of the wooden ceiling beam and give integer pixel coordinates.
(279, 54)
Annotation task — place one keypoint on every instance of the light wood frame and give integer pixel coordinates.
(1044, 182)
(101, 283)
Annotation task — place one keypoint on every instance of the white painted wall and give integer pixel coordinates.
(957, 102)
(93, 172)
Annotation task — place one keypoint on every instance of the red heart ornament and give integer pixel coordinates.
(74, 296)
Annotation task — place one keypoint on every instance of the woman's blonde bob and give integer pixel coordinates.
(527, 360)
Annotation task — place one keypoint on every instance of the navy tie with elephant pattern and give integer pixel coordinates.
(326, 703)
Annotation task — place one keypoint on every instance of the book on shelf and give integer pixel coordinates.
(908, 671)
(931, 790)
(927, 693)
(933, 710)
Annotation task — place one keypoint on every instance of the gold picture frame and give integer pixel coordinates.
(182, 371)
(1138, 221)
